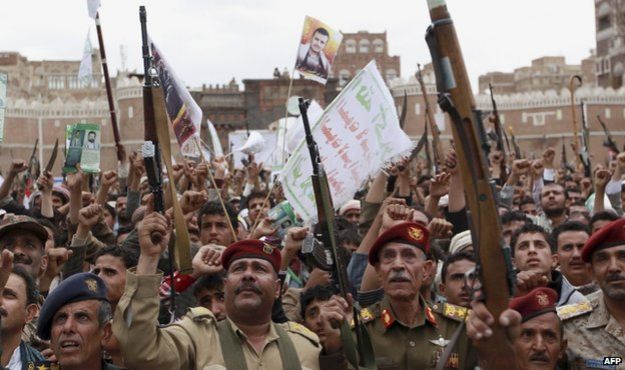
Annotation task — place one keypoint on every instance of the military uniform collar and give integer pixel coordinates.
(599, 316)
(271, 336)
(424, 315)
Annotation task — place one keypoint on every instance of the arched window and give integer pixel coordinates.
(350, 46)
(131, 112)
(378, 46)
(363, 46)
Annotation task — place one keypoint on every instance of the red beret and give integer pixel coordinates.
(407, 233)
(537, 302)
(610, 235)
(251, 248)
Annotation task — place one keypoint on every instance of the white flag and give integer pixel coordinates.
(214, 139)
(85, 72)
(93, 6)
(356, 135)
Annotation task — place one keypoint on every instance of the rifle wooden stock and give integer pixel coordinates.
(456, 97)
(429, 116)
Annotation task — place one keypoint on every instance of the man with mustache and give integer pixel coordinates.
(76, 319)
(569, 239)
(18, 307)
(246, 339)
(535, 261)
(406, 333)
(538, 340)
(26, 238)
(597, 329)
(541, 342)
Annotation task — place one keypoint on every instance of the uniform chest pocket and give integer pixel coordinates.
(386, 363)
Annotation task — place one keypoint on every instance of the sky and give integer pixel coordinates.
(212, 41)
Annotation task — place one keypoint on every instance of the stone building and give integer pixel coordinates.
(358, 49)
(43, 97)
(545, 73)
(265, 99)
(610, 35)
(538, 119)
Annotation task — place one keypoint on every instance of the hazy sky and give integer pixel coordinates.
(211, 41)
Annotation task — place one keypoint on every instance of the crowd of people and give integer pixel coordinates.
(87, 273)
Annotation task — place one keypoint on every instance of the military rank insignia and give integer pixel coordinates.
(267, 248)
(430, 316)
(92, 285)
(453, 362)
(387, 318)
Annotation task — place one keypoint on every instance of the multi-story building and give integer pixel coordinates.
(538, 119)
(358, 49)
(546, 73)
(610, 35)
(43, 97)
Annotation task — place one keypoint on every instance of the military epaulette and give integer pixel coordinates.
(573, 310)
(300, 329)
(366, 315)
(199, 313)
(451, 311)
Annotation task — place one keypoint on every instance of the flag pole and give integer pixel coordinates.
(109, 91)
(286, 115)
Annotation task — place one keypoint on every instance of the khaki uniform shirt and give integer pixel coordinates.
(193, 342)
(592, 334)
(397, 346)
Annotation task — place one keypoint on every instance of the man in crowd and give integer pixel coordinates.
(534, 331)
(552, 202)
(541, 343)
(247, 338)
(18, 308)
(457, 275)
(595, 329)
(569, 238)
(535, 262)
(76, 319)
(214, 228)
(405, 332)
(26, 238)
(111, 264)
(209, 293)
(312, 303)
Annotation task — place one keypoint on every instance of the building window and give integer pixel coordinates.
(608, 113)
(603, 22)
(350, 46)
(417, 109)
(56, 82)
(378, 46)
(131, 111)
(363, 46)
(390, 74)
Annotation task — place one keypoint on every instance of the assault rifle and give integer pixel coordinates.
(326, 233)
(500, 134)
(456, 99)
(429, 121)
(584, 153)
(608, 142)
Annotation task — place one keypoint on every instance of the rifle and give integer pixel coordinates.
(565, 163)
(327, 235)
(429, 119)
(572, 89)
(499, 132)
(608, 142)
(584, 154)
(517, 150)
(109, 91)
(456, 99)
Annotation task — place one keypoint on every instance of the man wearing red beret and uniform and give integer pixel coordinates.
(541, 343)
(247, 339)
(596, 330)
(406, 333)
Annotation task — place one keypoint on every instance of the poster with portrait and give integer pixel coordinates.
(318, 48)
(83, 146)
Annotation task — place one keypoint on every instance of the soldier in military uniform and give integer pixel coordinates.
(407, 333)
(596, 330)
(247, 339)
(76, 319)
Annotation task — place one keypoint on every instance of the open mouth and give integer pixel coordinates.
(69, 345)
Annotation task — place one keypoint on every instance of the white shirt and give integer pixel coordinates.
(15, 363)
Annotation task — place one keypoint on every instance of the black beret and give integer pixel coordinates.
(79, 287)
